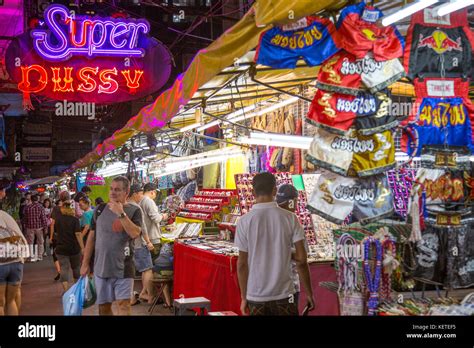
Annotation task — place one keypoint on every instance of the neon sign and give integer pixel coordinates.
(85, 81)
(88, 59)
(87, 37)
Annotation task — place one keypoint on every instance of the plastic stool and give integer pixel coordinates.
(181, 304)
(160, 282)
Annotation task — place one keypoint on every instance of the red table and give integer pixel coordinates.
(203, 273)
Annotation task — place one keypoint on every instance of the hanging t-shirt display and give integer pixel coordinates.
(438, 46)
(360, 34)
(312, 39)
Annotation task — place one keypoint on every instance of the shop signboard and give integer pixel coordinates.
(88, 59)
(37, 154)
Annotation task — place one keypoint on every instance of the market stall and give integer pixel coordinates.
(384, 193)
(199, 264)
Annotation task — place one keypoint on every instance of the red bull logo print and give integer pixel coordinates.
(440, 42)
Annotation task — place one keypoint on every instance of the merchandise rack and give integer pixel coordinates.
(247, 200)
(209, 205)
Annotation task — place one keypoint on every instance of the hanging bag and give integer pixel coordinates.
(73, 299)
(90, 294)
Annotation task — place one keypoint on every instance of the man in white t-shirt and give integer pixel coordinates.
(265, 237)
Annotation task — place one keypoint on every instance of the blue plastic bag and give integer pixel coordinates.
(73, 299)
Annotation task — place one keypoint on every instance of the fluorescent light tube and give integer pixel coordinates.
(452, 6)
(209, 125)
(190, 127)
(266, 110)
(407, 11)
(171, 168)
(280, 140)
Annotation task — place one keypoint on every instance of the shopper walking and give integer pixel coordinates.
(265, 237)
(35, 224)
(56, 212)
(24, 202)
(113, 228)
(142, 247)
(69, 244)
(48, 209)
(86, 218)
(85, 192)
(11, 266)
(153, 217)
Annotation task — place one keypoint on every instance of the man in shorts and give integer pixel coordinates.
(142, 247)
(113, 229)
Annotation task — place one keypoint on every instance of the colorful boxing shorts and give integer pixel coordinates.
(363, 155)
(336, 197)
(360, 34)
(445, 255)
(460, 265)
(440, 121)
(344, 73)
(430, 255)
(336, 112)
(313, 39)
(438, 46)
(441, 187)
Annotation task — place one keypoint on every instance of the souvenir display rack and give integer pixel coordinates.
(208, 205)
(247, 200)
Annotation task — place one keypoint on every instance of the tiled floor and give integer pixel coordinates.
(41, 295)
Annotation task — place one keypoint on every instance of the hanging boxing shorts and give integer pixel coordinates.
(368, 122)
(441, 187)
(344, 73)
(445, 253)
(440, 121)
(438, 46)
(336, 197)
(431, 255)
(447, 88)
(360, 34)
(365, 155)
(460, 263)
(339, 112)
(312, 39)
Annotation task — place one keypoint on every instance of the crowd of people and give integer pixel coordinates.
(112, 241)
(106, 241)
